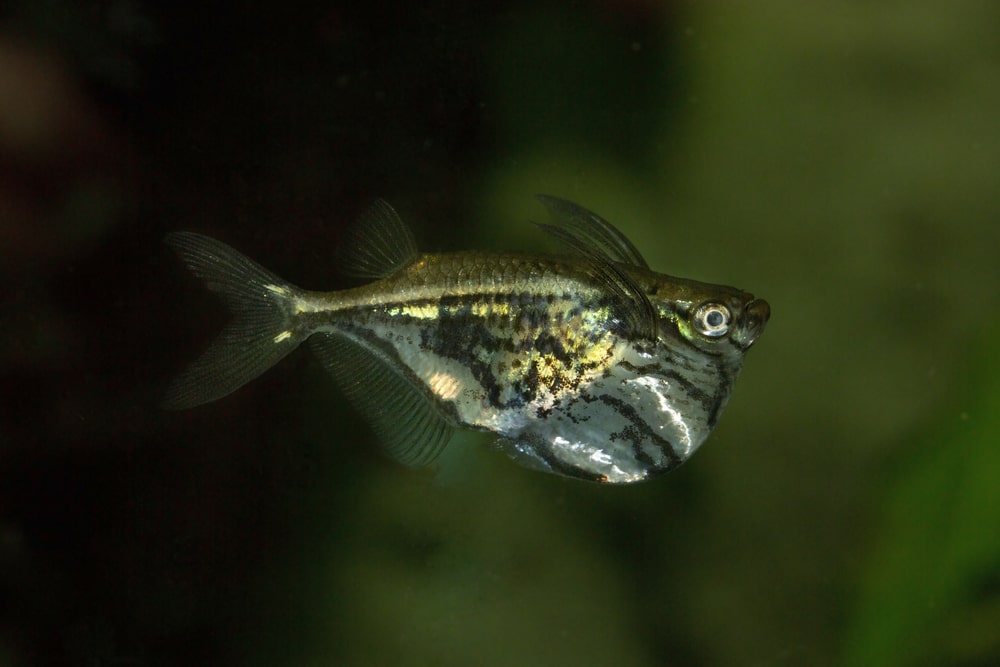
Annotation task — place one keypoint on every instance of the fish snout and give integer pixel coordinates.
(755, 316)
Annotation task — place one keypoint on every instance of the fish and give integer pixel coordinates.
(585, 364)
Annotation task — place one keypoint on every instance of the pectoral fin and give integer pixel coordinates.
(594, 230)
(631, 306)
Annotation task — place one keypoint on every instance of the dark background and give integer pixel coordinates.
(840, 161)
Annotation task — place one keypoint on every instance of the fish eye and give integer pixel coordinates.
(712, 319)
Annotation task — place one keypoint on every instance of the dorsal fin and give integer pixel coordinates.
(377, 245)
(593, 230)
(630, 305)
(408, 426)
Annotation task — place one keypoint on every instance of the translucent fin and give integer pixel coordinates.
(407, 424)
(379, 244)
(259, 334)
(631, 306)
(593, 230)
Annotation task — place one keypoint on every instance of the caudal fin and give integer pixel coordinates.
(261, 330)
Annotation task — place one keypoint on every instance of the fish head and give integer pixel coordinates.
(715, 319)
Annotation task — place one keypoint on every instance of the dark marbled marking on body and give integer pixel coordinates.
(637, 431)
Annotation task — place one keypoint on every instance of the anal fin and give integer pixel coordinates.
(408, 426)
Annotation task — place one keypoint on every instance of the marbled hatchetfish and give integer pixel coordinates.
(587, 364)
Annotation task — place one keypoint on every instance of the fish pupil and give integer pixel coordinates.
(714, 318)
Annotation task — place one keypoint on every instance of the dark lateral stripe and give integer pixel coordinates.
(444, 300)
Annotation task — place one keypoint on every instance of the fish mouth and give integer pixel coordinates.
(755, 316)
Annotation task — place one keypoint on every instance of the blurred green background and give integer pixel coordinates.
(840, 159)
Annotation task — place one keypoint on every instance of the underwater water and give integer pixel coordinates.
(840, 161)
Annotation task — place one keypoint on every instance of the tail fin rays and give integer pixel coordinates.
(262, 329)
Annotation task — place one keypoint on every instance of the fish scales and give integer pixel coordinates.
(485, 332)
(588, 365)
